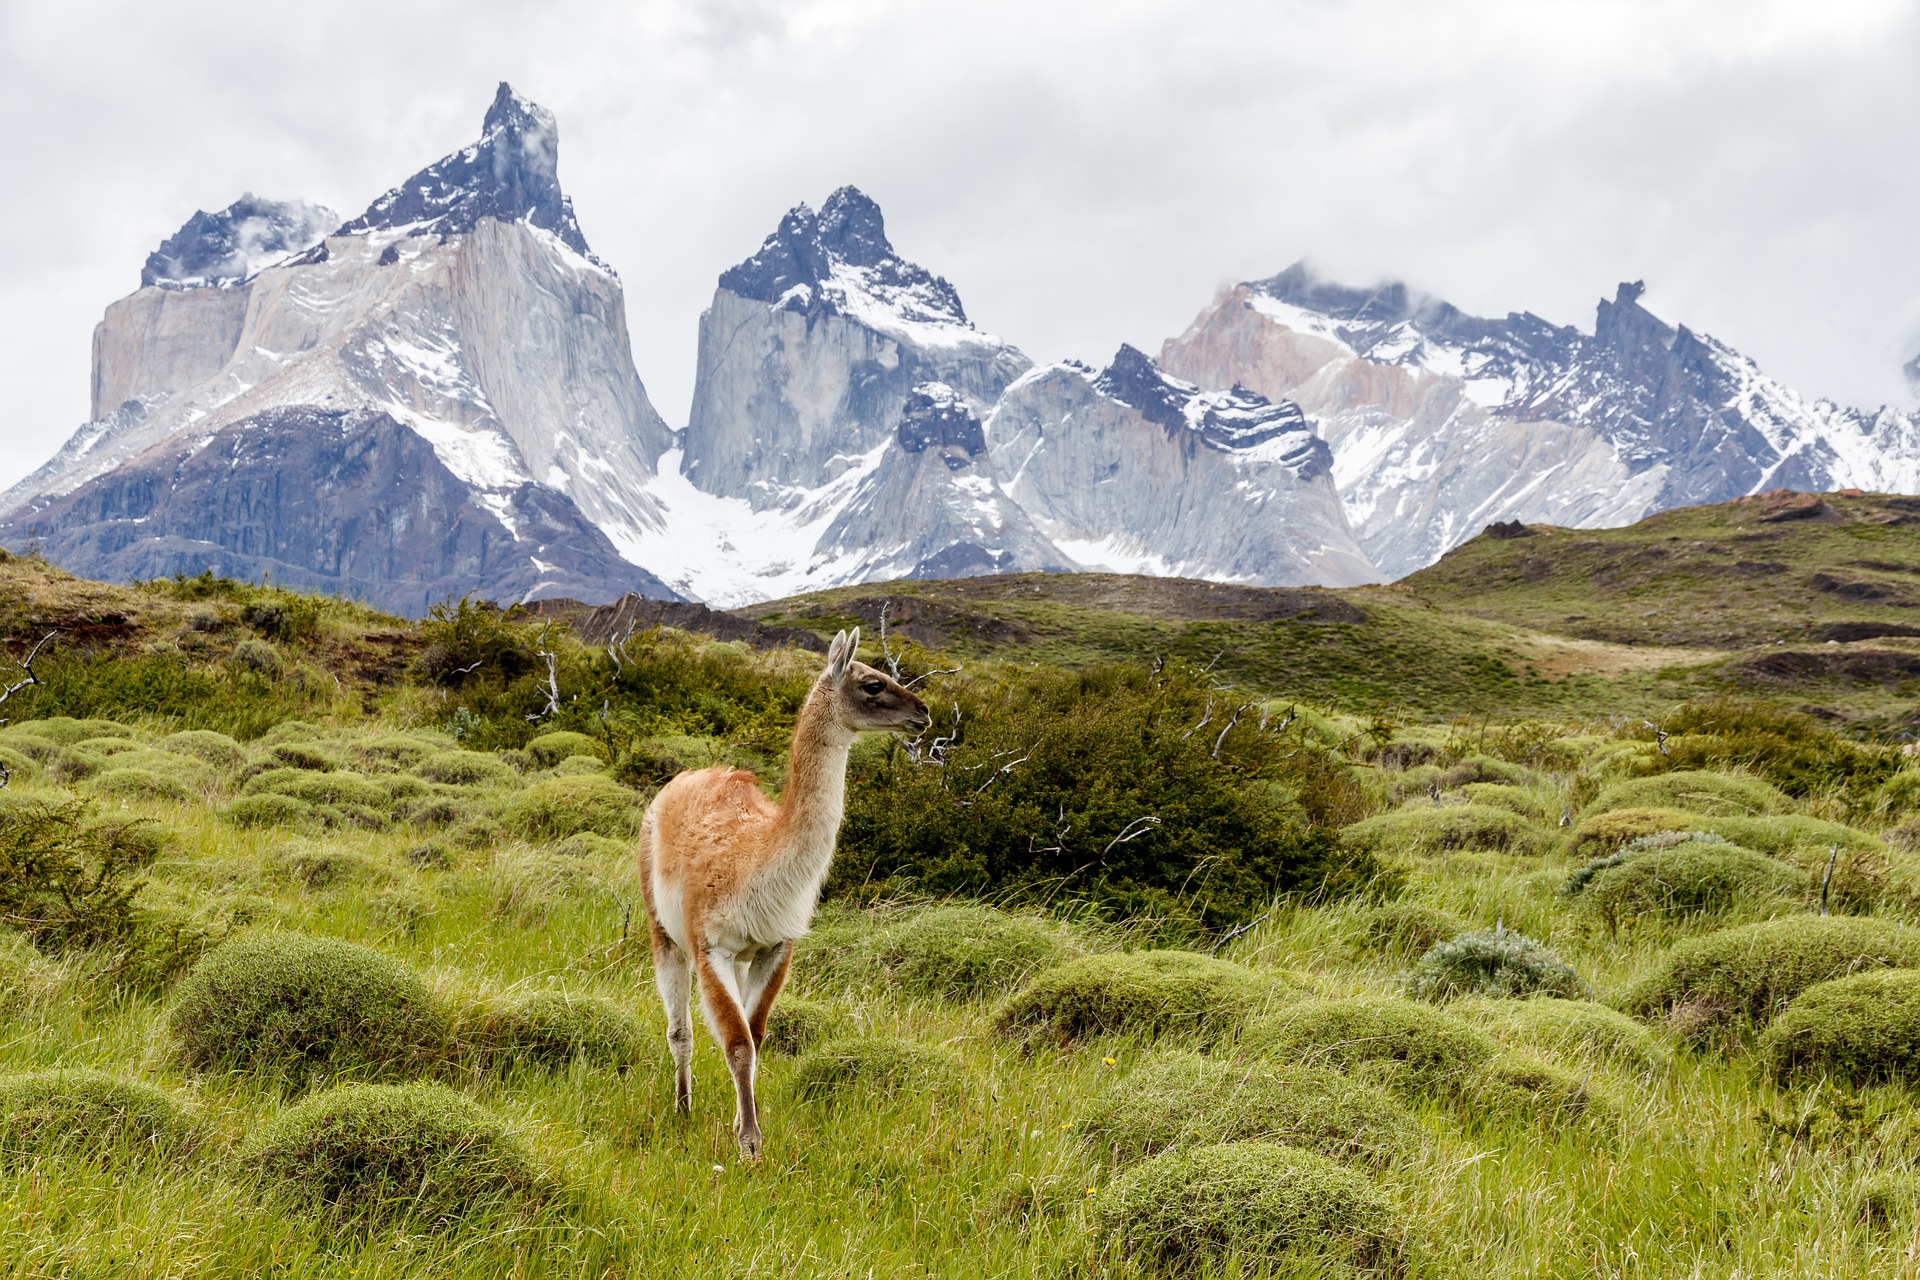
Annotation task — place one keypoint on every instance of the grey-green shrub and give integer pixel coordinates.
(1186, 1100)
(1491, 962)
(1750, 972)
(870, 1066)
(1257, 1204)
(368, 1154)
(1422, 829)
(1410, 1047)
(1862, 1029)
(307, 1006)
(44, 1112)
(1151, 992)
(553, 1028)
(1693, 878)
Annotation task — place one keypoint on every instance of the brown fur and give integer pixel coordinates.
(731, 878)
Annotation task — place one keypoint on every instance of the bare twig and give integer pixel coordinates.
(552, 708)
(943, 671)
(1239, 929)
(1660, 737)
(30, 678)
(1002, 772)
(886, 649)
(617, 649)
(1221, 740)
(1826, 881)
(1204, 721)
(1132, 831)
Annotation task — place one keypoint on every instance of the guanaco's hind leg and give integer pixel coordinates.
(673, 976)
(765, 977)
(727, 1018)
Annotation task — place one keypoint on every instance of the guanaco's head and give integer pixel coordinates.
(864, 698)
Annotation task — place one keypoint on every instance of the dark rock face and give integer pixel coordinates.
(849, 230)
(226, 247)
(510, 175)
(352, 503)
(1238, 419)
(935, 418)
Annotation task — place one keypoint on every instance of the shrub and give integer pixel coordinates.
(964, 952)
(66, 730)
(282, 1001)
(257, 656)
(400, 749)
(1422, 829)
(1494, 962)
(15, 764)
(1406, 928)
(431, 855)
(1410, 1047)
(870, 1066)
(463, 768)
(1055, 767)
(67, 881)
(1190, 1101)
(558, 807)
(1696, 791)
(1530, 805)
(138, 784)
(1576, 1028)
(1860, 1029)
(331, 788)
(1522, 1087)
(268, 810)
(322, 867)
(216, 749)
(550, 749)
(1602, 834)
(1694, 878)
(1583, 875)
(298, 754)
(420, 1152)
(43, 1112)
(1257, 1204)
(586, 845)
(1791, 749)
(1153, 992)
(401, 786)
(1780, 834)
(31, 745)
(1749, 973)
(552, 1028)
(795, 1025)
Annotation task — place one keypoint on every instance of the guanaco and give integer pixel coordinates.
(731, 879)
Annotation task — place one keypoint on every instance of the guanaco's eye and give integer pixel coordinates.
(872, 688)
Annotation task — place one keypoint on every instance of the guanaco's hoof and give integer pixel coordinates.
(750, 1147)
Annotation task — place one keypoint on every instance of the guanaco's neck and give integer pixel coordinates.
(816, 795)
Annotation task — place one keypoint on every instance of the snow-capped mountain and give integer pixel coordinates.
(463, 305)
(1132, 471)
(1442, 422)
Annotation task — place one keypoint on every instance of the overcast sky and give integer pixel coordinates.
(1085, 174)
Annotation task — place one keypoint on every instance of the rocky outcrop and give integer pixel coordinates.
(226, 247)
(463, 304)
(1133, 471)
(1441, 422)
(350, 502)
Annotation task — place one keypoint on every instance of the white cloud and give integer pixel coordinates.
(1084, 173)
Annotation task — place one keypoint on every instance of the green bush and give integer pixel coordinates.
(216, 749)
(17, 765)
(874, 1066)
(552, 1028)
(965, 952)
(1410, 1047)
(1188, 1100)
(1424, 829)
(1521, 1087)
(372, 1153)
(1690, 879)
(555, 808)
(268, 810)
(32, 745)
(795, 1025)
(1491, 962)
(1790, 749)
(258, 657)
(137, 784)
(308, 1006)
(464, 768)
(549, 749)
(400, 749)
(1150, 992)
(1749, 973)
(331, 788)
(66, 730)
(67, 881)
(1256, 1204)
(46, 1112)
(1405, 928)
(1575, 1028)
(298, 753)
(1095, 786)
(1603, 834)
(1530, 805)
(1861, 1029)
(1695, 791)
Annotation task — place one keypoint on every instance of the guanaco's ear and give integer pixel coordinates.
(840, 654)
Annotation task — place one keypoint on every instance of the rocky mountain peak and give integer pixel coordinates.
(938, 417)
(1231, 420)
(229, 246)
(510, 175)
(840, 259)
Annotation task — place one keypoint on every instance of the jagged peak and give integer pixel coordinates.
(840, 260)
(512, 174)
(232, 245)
